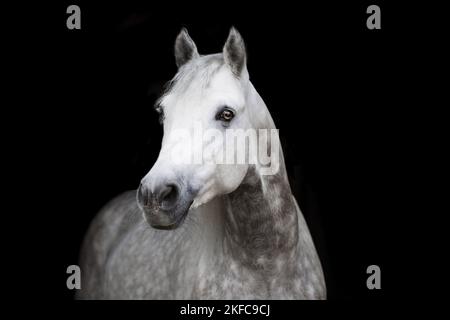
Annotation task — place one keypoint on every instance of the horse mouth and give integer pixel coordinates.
(179, 219)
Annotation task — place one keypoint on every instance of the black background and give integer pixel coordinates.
(334, 88)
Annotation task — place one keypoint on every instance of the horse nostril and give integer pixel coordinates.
(168, 195)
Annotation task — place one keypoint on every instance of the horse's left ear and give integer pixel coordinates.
(234, 52)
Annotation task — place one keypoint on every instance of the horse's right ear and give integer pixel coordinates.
(185, 48)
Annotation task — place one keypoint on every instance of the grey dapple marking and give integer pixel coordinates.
(248, 243)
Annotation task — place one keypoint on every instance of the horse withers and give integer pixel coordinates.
(211, 220)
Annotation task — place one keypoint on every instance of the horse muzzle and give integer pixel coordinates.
(166, 205)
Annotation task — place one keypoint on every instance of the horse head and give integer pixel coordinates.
(210, 95)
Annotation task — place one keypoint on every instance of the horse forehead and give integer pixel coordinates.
(223, 90)
(224, 82)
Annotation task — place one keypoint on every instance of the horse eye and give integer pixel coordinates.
(225, 115)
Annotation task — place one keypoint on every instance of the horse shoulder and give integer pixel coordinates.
(311, 279)
(107, 228)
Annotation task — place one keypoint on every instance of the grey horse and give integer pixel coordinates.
(208, 229)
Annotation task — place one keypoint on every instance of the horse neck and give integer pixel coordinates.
(261, 218)
(261, 221)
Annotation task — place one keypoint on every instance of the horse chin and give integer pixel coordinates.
(164, 221)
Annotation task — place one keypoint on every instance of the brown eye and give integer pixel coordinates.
(225, 115)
